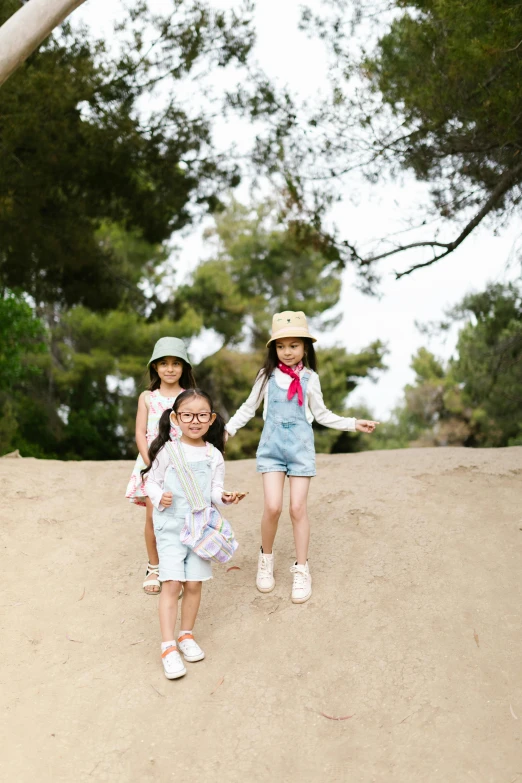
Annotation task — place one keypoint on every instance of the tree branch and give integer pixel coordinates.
(25, 30)
(505, 183)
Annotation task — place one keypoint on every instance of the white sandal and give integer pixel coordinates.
(155, 582)
(152, 569)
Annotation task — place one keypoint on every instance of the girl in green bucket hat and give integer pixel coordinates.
(170, 373)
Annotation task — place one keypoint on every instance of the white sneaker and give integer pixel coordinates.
(172, 663)
(191, 650)
(302, 586)
(265, 581)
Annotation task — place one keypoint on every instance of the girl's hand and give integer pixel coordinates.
(166, 499)
(232, 497)
(226, 436)
(363, 425)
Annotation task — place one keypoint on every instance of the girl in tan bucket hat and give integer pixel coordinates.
(289, 387)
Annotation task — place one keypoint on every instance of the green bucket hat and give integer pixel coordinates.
(170, 346)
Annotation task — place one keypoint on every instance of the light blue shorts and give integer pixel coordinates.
(287, 448)
(177, 561)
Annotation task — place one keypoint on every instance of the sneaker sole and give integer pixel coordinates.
(176, 675)
(302, 600)
(265, 589)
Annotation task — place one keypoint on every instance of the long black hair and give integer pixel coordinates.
(215, 434)
(272, 360)
(187, 380)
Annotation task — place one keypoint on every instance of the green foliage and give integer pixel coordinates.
(21, 334)
(489, 363)
(340, 373)
(21, 347)
(428, 86)
(426, 367)
(94, 186)
(262, 265)
(397, 432)
(230, 375)
(80, 153)
(451, 71)
(475, 399)
(83, 404)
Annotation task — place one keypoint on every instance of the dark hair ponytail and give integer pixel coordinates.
(215, 434)
(158, 443)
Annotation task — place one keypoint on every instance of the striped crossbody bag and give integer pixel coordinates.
(205, 531)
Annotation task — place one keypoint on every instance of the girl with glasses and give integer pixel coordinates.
(203, 442)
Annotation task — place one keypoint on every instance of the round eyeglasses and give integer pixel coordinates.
(187, 418)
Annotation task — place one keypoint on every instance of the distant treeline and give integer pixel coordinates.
(96, 182)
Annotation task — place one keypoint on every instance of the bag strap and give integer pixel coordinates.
(186, 476)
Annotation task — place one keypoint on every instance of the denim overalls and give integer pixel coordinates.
(287, 440)
(177, 561)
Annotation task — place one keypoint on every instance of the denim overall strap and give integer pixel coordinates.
(281, 410)
(185, 474)
(287, 440)
(205, 531)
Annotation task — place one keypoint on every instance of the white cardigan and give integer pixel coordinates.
(314, 404)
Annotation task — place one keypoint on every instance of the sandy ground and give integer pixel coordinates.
(412, 640)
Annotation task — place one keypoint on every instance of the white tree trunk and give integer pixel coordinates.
(25, 30)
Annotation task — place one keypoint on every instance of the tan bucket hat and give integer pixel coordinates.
(290, 323)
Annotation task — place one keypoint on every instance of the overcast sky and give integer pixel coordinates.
(289, 57)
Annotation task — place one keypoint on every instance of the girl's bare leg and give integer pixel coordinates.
(299, 486)
(190, 605)
(168, 609)
(273, 484)
(150, 543)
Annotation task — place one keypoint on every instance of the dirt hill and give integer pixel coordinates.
(405, 665)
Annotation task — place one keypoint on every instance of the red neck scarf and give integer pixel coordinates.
(295, 386)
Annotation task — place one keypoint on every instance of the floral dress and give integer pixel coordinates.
(157, 405)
